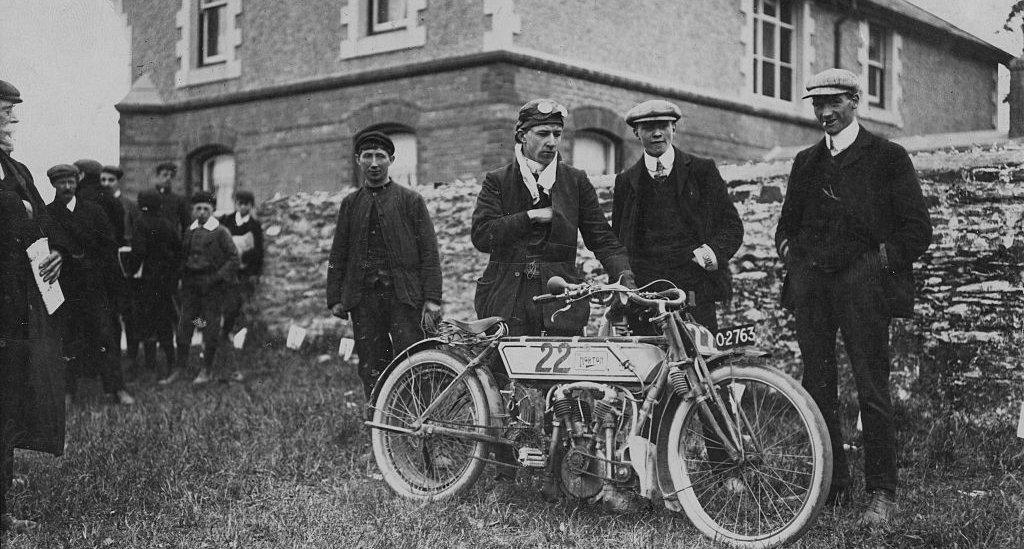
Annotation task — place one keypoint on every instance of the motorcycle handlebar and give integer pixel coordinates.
(561, 290)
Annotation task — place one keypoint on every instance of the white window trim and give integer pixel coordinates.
(187, 21)
(890, 114)
(358, 42)
(200, 35)
(802, 60)
(505, 24)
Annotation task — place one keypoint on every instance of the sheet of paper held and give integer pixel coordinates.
(53, 297)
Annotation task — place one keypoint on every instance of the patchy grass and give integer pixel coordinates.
(280, 460)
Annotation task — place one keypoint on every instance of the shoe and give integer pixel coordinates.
(881, 509)
(839, 496)
(202, 378)
(16, 525)
(171, 377)
(124, 398)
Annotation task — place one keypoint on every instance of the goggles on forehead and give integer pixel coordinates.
(547, 107)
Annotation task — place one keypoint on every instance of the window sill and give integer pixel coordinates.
(793, 108)
(207, 74)
(398, 39)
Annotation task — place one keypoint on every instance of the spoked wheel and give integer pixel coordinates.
(774, 492)
(429, 467)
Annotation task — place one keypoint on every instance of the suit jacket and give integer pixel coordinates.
(31, 370)
(90, 269)
(252, 259)
(411, 247)
(502, 228)
(700, 194)
(878, 187)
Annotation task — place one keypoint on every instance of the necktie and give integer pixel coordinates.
(660, 173)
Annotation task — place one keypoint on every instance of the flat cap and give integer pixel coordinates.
(116, 170)
(60, 171)
(89, 166)
(653, 110)
(832, 82)
(9, 93)
(540, 111)
(374, 140)
(203, 197)
(166, 166)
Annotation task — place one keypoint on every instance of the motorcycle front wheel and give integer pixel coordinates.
(774, 492)
(429, 467)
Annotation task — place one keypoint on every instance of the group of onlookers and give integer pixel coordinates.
(148, 271)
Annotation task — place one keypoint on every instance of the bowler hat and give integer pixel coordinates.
(652, 111)
(540, 111)
(60, 171)
(832, 82)
(9, 93)
(204, 197)
(374, 140)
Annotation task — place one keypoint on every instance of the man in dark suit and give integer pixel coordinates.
(175, 208)
(90, 340)
(528, 215)
(31, 370)
(673, 213)
(853, 222)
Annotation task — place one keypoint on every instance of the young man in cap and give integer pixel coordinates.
(853, 222)
(175, 208)
(110, 181)
(91, 340)
(209, 268)
(673, 213)
(90, 189)
(31, 370)
(247, 233)
(528, 217)
(384, 267)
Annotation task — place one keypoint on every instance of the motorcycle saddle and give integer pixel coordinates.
(478, 326)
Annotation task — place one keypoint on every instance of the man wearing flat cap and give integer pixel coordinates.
(673, 213)
(384, 268)
(110, 181)
(528, 217)
(90, 340)
(174, 207)
(853, 222)
(31, 370)
(91, 190)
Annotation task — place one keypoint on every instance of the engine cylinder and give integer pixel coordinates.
(677, 378)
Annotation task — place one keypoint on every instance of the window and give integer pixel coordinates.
(594, 153)
(878, 56)
(208, 40)
(387, 15)
(211, 31)
(773, 33)
(403, 170)
(218, 177)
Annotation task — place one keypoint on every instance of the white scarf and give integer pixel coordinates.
(546, 179)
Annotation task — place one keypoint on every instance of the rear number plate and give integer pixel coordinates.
(735, 336)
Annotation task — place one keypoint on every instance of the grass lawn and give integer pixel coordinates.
(279, 461)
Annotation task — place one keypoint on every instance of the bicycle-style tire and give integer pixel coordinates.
(432, 467)
(775, 497)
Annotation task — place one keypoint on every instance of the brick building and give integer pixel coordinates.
(268, 95)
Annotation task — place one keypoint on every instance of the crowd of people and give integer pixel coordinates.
(148, 271)
(852, 224)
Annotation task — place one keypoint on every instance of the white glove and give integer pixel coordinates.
(705, 258)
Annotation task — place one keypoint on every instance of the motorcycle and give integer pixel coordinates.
(739, 447)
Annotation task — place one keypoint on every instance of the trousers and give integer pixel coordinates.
(383, 326)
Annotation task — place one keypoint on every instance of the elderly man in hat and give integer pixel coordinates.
(91, 340)
(852, 224)
(31, 370)
(384, 268)
(528, 216)
(673, 213)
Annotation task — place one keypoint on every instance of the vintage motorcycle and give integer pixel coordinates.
(737, 446)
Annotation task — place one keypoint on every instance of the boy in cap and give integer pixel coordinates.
(91, 339)
(853, 222)
(384, 267)
(247, 233)
(156, 249)
(673, 213)
(209, 267)
(110, 181)
(174, 207)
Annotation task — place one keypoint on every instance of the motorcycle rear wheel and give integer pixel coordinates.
(431, 467)
(775, 495)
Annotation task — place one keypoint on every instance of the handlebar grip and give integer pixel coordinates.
(545, 298)
(557, 285)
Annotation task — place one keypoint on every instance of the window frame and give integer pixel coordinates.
(759, 59)
(888, 111)
(378, 27)
(203, 33)
(878, 66)
(361, 39)
(611, 145)
(194, 66)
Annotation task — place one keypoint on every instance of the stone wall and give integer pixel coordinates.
(965, 336)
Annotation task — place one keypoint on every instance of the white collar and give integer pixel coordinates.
(667, 160)
(210, 224)
(546, 178)
(843, 139)
(239, 220)
(72, 203)
(117, 193)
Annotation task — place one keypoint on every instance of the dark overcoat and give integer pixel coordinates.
(701, 195)
(31, 370)
(878, 186)
(156, 249)
(502, 228)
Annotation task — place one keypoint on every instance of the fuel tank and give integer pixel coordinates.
(611, 359)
